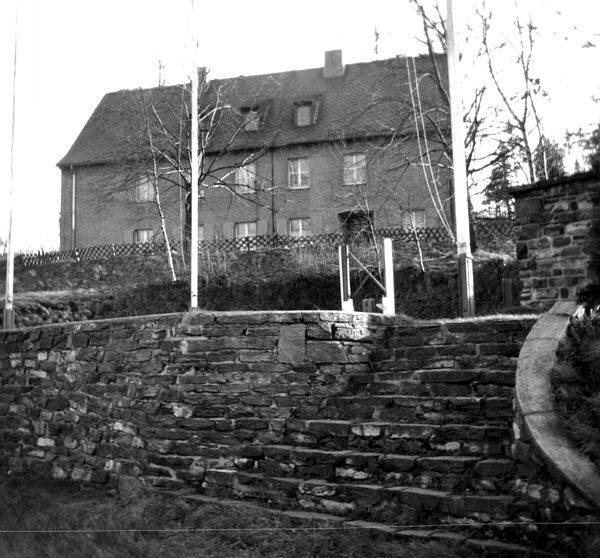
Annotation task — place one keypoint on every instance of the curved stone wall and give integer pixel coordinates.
(537, 420)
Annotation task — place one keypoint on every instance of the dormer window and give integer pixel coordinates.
(304, 114)
(251, 118)
(306, 110)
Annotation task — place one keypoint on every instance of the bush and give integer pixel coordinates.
(576, 385)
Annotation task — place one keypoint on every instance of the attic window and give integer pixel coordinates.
(304, 114)
(251, 118)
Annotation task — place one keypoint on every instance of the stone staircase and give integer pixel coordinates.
(411, 433)
(410, 447)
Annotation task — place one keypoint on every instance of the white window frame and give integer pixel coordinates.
(303, 228)
(245, 179)
(141, 236)
(355, 169)
(418, 216)
(303, 114)
(144, 189)
(244, 229)
(299, 173)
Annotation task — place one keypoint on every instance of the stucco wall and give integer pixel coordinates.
(106, 211)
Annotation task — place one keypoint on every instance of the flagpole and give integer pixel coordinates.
(194, 170)
(8, 321)
(461, 204)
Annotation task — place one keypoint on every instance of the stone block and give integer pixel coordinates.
(291, 347)
(326, 352)
(495, 468)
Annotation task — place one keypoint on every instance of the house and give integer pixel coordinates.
(342, 147)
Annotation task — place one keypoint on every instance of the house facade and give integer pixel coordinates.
(342, 147)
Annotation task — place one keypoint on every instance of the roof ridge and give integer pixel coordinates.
(273, 74)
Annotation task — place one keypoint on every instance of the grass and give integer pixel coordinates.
(55, 519)
(576, 385)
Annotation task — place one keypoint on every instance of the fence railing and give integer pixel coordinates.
(485, 230)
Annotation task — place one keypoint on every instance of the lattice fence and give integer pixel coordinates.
(485, 230)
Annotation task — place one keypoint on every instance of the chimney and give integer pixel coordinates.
(334, 67)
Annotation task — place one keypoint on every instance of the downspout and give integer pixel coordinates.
(73, 185)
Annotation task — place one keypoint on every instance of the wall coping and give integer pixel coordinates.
(536, 403)
(525, 189)
(356, 318)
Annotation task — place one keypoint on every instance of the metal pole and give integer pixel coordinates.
(194, 170)
(461, 204)
(8, 321)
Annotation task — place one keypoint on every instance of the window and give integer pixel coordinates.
(142, 235)
(200, 233)
(144, 189)
(251, 118)
(304, 114)
(414, 217)
(245, 229)
(245, 178)
(299, 173)
(355, 168)
(299, 227)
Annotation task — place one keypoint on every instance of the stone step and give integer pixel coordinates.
(450, 536)
(401, 438)
(436, 382)
(445, 472)
(399, 505)
(411, 408)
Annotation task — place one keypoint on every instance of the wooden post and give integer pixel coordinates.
(507, 297)
(388, 302)
(344, 262)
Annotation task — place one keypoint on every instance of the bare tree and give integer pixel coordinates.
(150, 131)
(521, 120)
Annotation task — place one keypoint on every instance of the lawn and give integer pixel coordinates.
(50, 519)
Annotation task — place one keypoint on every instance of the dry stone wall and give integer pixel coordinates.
(98, 401)
(359, 415)
(558, 238)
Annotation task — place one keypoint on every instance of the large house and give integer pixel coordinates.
(342, 147)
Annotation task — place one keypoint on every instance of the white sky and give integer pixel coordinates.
(72, 52)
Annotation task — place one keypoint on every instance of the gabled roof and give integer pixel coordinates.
(370, 99)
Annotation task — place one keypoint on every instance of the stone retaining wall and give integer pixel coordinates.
(98, 401)
(363, 416)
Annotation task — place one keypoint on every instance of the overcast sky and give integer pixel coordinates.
(72, 52)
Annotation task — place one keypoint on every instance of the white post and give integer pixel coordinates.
(194, 171)
(461, 204)
(8, 318)
(388, 302)
(347, 302)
